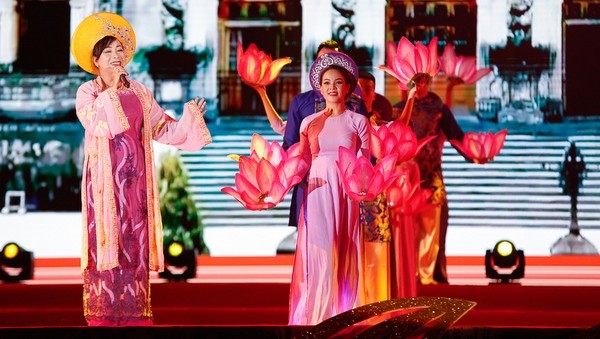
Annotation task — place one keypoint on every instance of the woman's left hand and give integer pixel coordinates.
(200, 103)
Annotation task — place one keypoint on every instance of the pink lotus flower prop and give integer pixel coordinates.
(265, 177)
(262, 148)
(463, 68)
(481, 147)
(361, 180)
(408, 60)
(396, 138)
(255, 67)
(405, 195)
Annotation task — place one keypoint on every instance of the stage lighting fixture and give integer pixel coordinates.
(504, 263)
(180, 263)
(16, 264)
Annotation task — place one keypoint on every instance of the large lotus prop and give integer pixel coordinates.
(255, 67)
(462, 68)
(406, 61)
(396, 138)
(361, 180)
(265, 177)
(405, 195)
(481, 147)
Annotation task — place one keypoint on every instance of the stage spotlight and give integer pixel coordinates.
(16, 264)
(180, 263)
(504, 263)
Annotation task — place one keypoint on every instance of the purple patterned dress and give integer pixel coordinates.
(121, 296)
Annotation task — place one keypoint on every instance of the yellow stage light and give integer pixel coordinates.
(16, 264)
(180, 263)
(10, 251)
(175, 249)
(504, 263)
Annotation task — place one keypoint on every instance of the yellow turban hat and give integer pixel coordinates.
(95, 27)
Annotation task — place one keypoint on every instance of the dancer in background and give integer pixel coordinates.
(389, 240)
(122, 229)
(429, 116)
(374, 215)
(377, 107)
(327, 274)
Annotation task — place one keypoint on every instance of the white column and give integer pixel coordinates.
(8, 31)
(145, 18)
(202, 31)
(316, 27)
(546, 30)
(370, 20)
(491, 30)
(80, 9)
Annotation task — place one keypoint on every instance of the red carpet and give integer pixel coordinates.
(233, 292)
(266, 304)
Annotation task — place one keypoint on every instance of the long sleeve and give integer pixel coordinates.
(279, 126)
(451, 129)
(189, 133)
(302, 106)
(292, 128)
(100, 113)
(363, 133)
(305, 149)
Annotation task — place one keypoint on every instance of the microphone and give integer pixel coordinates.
(124, 80)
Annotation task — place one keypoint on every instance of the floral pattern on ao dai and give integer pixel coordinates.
(327, 274)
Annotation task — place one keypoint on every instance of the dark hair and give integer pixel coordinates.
(420, 76)
(331, 44)
(366, 75)
(348, 77)
(101, 45)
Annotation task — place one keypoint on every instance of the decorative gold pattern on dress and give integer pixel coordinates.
(430, 317)
(439, 191)
(374, 220)
(199, 118)
(87, 113)
(114, 98)
(154, 218)
(101, 127)
(159, 126)
(84, 220)
(109, 231)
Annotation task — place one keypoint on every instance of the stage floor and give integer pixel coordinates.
(556, 292)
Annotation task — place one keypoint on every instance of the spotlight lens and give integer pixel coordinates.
(505, 248)
(11, 251)
(175, 249)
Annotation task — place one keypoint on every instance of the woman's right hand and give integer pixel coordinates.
(119, 74)
(411, 93)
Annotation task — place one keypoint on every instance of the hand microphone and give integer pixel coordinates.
(124, 80)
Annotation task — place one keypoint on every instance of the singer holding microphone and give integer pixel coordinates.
(122, 228)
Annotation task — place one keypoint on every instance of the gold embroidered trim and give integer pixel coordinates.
(84, 234)
(114, 98)
(200, 120)
(154, 218)
(159, 126)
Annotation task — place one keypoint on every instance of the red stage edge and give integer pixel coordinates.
(248, 298)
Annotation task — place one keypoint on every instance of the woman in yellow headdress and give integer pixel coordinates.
(122, 229)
